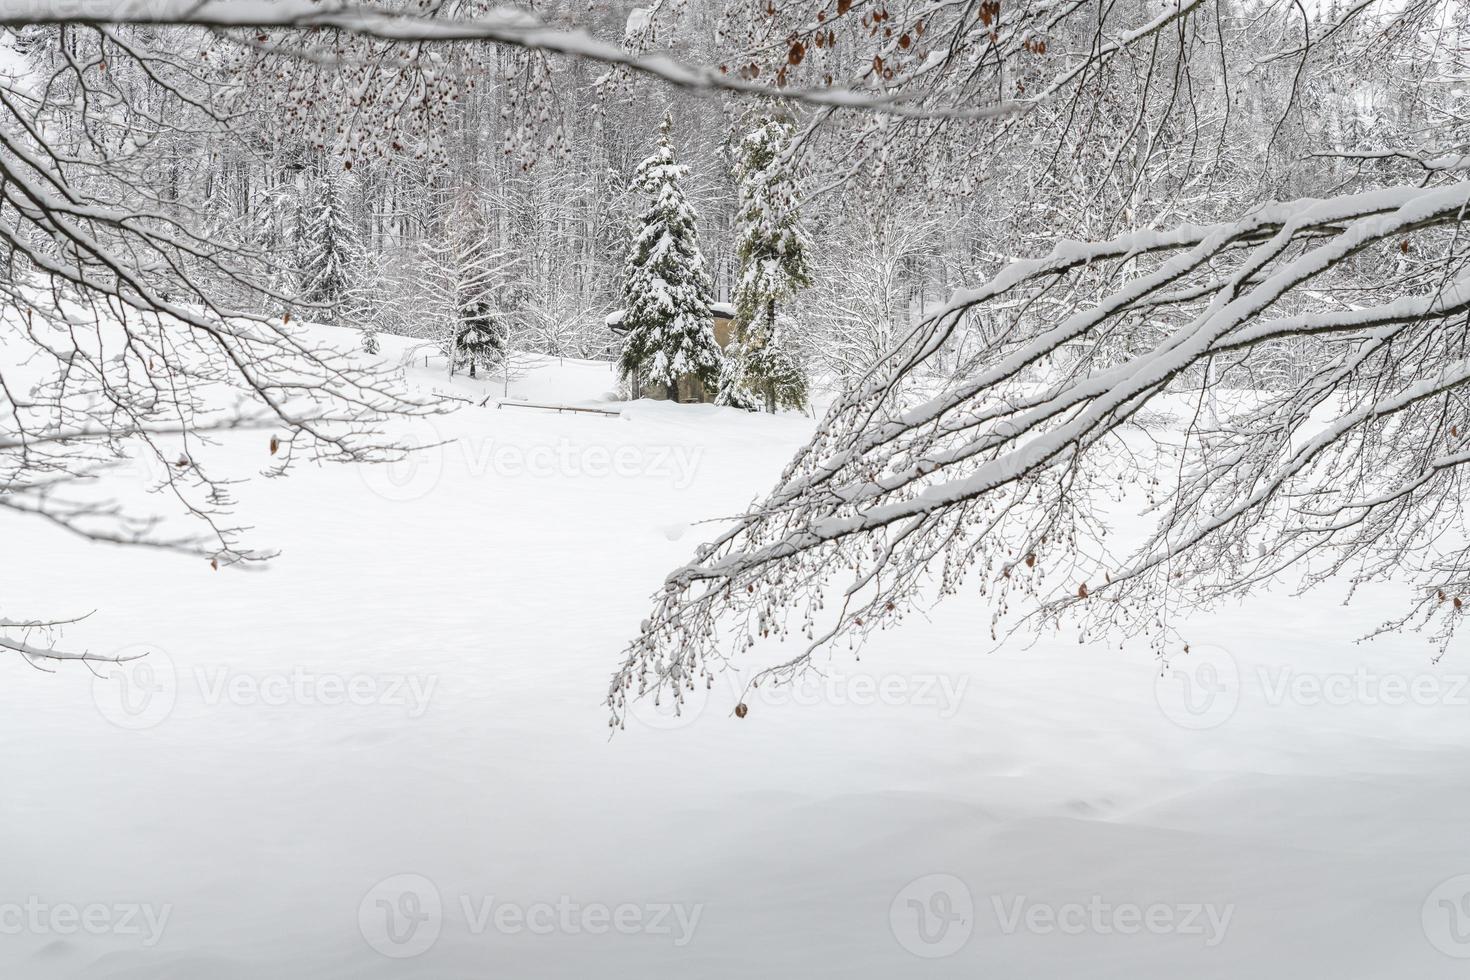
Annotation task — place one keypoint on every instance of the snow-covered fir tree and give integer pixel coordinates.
(481, 337)
(370, 302)
(732, 390)
(772, 371)
(329, 250)
(463, 272)
(666, 288)
(773, 251)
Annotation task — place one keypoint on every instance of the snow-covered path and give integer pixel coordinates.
(387, 755)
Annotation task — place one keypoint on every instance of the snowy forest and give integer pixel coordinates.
(1085, 322)
(889, 193)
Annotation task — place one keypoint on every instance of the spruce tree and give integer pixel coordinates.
(773, 371)
(666, 288)
(329, 246)
(733, 391)
(462, 279)
(369, 303)
(773, 251)
(480, 338)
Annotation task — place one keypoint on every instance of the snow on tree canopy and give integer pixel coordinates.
(666, 288)
(773, 247)
(330, 249)
(773, 250)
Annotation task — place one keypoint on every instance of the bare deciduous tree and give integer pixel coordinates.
(1154, 139)
(123, 322)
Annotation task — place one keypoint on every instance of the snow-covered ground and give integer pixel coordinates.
(387, 755)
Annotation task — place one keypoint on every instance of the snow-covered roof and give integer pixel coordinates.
(725, 311)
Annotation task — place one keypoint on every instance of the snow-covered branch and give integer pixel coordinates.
(1005, 475)
(502, 25)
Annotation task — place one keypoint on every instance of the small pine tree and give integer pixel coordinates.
(480, 339)
(666, 288)
(329, 250)
(461, 273)
(369, 302)
(773, 250)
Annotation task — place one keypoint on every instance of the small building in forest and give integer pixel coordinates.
(690, 389)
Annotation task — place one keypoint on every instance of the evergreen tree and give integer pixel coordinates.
(369, 303)
(772, 371)
(666, 288)
(462, 272)
(773, 251)
(480, 338)
(329, 246)
(733, 390)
